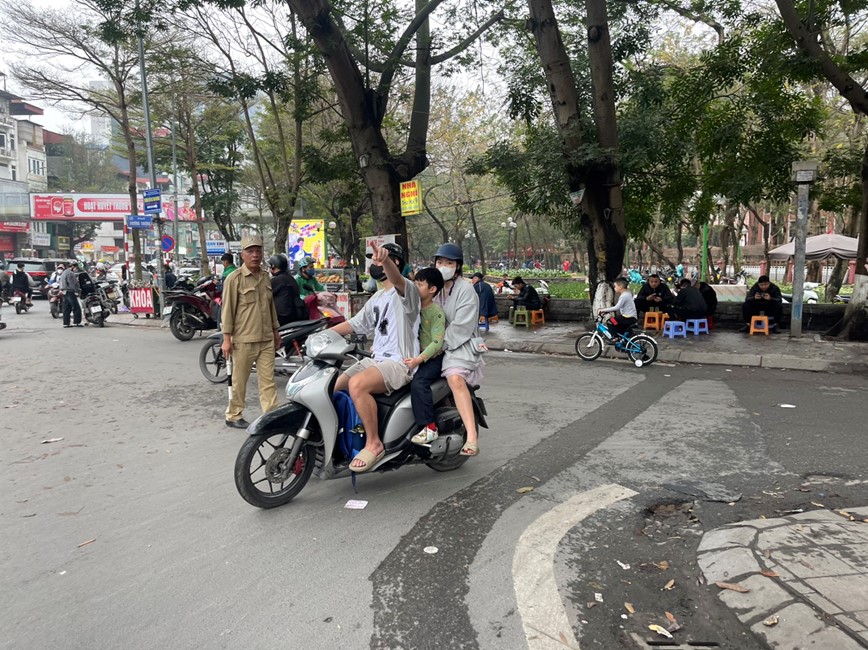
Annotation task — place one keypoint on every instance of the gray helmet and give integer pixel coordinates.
(278, 262)
(450, 251)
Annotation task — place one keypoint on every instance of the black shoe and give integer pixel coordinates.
(774, 329)
(744, 328)
(79, 325)
(67, 325)
(238, 424)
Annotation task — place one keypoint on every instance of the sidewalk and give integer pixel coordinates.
(797, 582)
(721, 347)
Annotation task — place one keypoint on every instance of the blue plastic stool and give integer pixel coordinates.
(483, 324)
(674, 328)
(697, 326)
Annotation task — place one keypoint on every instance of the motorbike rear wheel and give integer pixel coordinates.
(55, 310)
(18, 307)
(258, 470)
(179, 326)
(212, 363)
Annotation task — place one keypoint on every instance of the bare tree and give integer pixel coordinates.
(68, 48)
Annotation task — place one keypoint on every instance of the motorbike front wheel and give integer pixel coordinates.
(55, 310)
(18, 307)
(261, 478)
(179, 326)
(212, 363)
(589, 346)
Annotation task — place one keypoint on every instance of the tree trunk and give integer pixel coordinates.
(836, 279)
(132, 187)
(679, 244)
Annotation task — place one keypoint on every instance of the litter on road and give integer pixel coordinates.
(48, 440)
(356, 504)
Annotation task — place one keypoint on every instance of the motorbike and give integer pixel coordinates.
(288, 444)
(113, 293)
(55, 300)
(19, 300)
(288, 358)
(809, 295)
(2, 324)
(192, 311)
(95, 303)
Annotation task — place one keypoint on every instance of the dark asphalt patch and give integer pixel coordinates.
(418, 599)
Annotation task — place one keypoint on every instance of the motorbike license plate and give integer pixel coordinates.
(96, 310)
(112, 295)
(16, 299)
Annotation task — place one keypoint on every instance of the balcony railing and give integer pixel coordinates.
(7, 153)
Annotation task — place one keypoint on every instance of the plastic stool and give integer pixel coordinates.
(520, 317)
(697, 326)
(675, 328)
(654, 320)
(537, 316)
(759, 324)
(483, 324)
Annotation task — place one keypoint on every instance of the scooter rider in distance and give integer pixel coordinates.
(393, 319)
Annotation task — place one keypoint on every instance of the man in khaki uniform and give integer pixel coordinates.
(249, 331)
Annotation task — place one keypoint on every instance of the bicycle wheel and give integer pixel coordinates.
(642, 348)
(589, 346)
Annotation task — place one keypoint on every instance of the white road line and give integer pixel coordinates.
(545, 621)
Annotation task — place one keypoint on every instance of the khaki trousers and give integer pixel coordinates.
(243, 356)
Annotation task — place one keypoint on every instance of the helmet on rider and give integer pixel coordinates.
(452, 252)
(278, 262)
(305, 265)
(396, 252)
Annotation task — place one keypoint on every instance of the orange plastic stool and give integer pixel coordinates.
(537, 316)
(759, 325)
(654, 320)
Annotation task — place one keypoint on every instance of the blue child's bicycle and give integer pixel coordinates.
(641, 348)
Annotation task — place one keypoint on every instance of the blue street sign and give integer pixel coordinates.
(139, 221)
(215, 247)
(168, 243)
(152, 201)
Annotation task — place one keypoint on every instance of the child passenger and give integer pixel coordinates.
(429, 282)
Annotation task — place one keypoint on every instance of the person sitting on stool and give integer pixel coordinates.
(689, 303)
(654, 293)
(763, 298)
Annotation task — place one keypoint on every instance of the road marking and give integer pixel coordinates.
(545, 621)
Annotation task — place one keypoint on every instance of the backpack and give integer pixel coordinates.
(351, 434)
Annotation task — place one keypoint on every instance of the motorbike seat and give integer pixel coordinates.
(298, 324)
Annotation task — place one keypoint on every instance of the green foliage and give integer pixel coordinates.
(570, 290)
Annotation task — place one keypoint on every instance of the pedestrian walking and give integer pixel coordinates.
(249, 324)
(71, 291)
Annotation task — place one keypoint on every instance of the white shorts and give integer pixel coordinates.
(395, 373)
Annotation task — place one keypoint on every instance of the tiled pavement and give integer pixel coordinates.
(806, 576)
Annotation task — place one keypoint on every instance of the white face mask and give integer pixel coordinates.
(447, 272)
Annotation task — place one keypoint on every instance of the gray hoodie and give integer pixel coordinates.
(461, 306)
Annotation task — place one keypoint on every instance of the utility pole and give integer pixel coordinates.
(175, 179)
(804, 173)
(150, 149)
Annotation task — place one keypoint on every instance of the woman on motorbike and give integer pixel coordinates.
(462, 365)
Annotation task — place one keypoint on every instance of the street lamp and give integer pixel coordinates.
(511, 234)
(468, 237)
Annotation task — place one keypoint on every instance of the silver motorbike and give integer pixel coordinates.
(289, 444)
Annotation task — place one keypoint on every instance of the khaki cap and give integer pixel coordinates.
(251, 240)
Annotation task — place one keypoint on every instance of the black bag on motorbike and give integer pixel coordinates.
(86, 283)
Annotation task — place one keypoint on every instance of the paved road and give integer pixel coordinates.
(179, 560)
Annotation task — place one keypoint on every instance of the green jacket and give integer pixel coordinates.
(307, 286)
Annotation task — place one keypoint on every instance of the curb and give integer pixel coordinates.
(771, 361)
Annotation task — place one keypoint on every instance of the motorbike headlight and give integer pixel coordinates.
(316, 343)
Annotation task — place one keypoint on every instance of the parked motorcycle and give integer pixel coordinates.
(193, 311)
(809, 295)
(94, 301)
(55, 300)
(288, 358)
(287, 444)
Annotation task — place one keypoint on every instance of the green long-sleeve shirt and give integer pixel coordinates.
(432, 331)
(307, 286)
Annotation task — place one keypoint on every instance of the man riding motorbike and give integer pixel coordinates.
(307, 283)
(284, 288)
(21, 282)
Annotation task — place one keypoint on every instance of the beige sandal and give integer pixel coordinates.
(369, 459)
(470, 449)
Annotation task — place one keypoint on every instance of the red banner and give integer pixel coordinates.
(14, 226)
(84, 207)
(142, 301)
